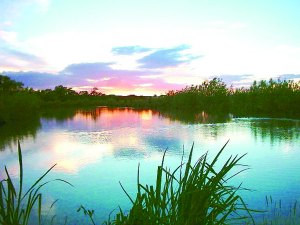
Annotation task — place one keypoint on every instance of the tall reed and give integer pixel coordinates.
(191, 194)
(15, 207)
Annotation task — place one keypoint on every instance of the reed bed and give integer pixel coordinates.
(191, 194)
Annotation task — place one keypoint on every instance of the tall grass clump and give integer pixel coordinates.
(191, 194)
(17, 205)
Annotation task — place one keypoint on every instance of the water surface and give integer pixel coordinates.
(96, 149)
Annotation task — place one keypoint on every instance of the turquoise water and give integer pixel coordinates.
(94, 150)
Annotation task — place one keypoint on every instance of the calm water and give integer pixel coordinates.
(94, 150)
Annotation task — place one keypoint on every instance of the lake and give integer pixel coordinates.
(95, 149)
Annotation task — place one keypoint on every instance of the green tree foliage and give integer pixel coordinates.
(280, 98)
(16, 102)
(210, 95)
(263, 98)
(62, 91)
(8, 85)
(95, 92)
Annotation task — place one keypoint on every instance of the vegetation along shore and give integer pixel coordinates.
(264, 98)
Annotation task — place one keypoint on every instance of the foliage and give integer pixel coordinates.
(210, 95)
(194, 194)
(262, 98)
(8, 85)
(16, 207)
(273, 98)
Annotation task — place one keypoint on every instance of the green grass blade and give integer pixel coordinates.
(37, 181)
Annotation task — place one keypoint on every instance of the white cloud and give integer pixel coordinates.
(92, 80)
(144, 85)
(61, 49)
(8, 36)
(43, 4)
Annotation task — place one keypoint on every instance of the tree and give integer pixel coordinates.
(64, 91)
(214, 87)
(8, 85)
(95, 92)
(83, 93)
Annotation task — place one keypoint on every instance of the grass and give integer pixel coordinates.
(191, 194)
(17, 208)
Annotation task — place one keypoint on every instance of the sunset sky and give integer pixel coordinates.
(147, 47)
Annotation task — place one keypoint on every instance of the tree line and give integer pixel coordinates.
(263, 98)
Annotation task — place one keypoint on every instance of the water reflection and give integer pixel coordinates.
(117, 117)
(71, 157)
(94, 149)
(198, 118)
(275, 130)
(11, 132)
(106, 119)
(59, 113)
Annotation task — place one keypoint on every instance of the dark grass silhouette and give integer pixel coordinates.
(17, 205)
(191, 194)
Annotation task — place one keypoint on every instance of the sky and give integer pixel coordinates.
(148, 47)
